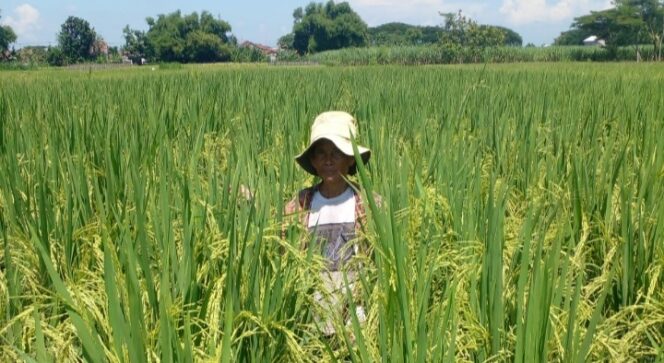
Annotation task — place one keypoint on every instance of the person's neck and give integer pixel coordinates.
(332, 189)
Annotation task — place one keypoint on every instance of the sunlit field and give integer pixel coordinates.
(522, 216)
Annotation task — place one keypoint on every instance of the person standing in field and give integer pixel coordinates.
(332, 210)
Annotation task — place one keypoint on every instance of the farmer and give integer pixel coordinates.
(332, 210)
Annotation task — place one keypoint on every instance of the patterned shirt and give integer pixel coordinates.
(332, 221)
(301, 206)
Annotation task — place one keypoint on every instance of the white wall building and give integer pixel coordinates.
(593, 40)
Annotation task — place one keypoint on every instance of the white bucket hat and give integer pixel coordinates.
(336, 126)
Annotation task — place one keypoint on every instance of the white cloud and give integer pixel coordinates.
(521, 12)
(424, 12)
(24, 21)
(381, 3)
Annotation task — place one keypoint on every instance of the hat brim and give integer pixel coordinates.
(342, 144)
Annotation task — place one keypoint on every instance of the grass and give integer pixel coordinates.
(435, 54)
(521, 218)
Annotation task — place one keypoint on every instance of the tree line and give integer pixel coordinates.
(318, 27)
(629, 22)
(7, 36)
(194, 37)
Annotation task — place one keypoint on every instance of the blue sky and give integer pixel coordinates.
(37, 22)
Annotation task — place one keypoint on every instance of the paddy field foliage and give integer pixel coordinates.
(522, 216)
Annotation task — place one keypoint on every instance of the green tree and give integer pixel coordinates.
(177, 38)
(650, 15)
(327, 26)
(7, 36)
(628, 22)
(32, 54)
(463, 40)
(286, 41)
(135, 43)
(76, 40)
(616, 26)
(297, 15)
(460, 30)
(511, 38)
(414, 36)
(391, 34)
(572, 37)
(201, 46)
(55, 57)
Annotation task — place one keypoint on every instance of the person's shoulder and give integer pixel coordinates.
(291, 207)
(300, 202)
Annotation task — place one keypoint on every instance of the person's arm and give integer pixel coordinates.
(290, 211)
(295, 211)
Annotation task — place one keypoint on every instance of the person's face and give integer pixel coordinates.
(330, 163)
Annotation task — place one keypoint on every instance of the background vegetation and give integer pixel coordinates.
(321, 27)
(177, 38)
(523, 218)
(629, 22)
(325, 26)
(7, 36)
(417, 55)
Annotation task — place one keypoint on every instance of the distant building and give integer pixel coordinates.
(269, 52)
(99, 48)
(135, 59)
(593, 40)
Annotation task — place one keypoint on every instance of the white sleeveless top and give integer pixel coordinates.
(333, 222)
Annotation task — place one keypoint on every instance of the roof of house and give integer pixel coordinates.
(261, 47)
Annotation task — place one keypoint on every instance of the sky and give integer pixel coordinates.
(36, 22)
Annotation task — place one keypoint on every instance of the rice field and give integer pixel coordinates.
(522, 216)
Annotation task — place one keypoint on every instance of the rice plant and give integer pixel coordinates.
(521, 217)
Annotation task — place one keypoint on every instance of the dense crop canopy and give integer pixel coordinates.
(522, 217)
